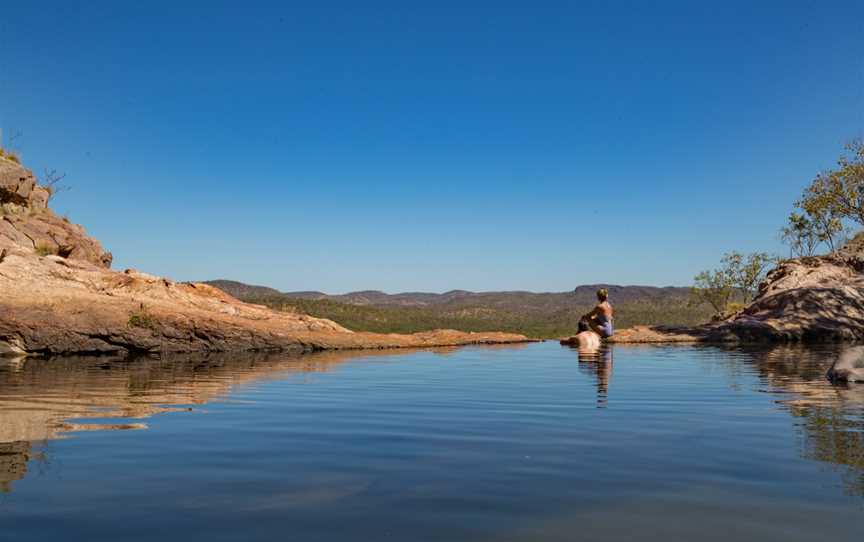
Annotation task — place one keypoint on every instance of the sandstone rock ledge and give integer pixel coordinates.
(654, 334)
(50, 305)
(808, 300)
(58, 296)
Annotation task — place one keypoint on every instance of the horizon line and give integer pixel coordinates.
(406, 292)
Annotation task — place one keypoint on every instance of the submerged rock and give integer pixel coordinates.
(849, 366)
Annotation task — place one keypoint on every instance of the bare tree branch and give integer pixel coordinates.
(53, 181)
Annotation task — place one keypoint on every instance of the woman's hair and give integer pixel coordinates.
(602, 294)
(583, 326)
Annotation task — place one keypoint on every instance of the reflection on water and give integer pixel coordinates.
(597, 362)
(38, 398)
(531, 442)
(13, 463)
(833, 423)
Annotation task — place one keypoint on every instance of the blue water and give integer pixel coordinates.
(517, 443)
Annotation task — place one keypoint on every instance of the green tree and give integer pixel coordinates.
(746, 272)
(845, 185)
(737, 274)
(712, 287)
(833, 199)
(819, 205)
(800, 234)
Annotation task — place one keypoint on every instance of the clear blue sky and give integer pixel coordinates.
(480, 145)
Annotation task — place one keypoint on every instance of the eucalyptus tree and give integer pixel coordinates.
(833, 199)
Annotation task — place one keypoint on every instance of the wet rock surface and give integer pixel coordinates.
(849, 366)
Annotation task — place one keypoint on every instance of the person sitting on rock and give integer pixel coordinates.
(586, 339)
(600, 318)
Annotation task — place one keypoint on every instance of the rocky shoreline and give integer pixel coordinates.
(50, 305)
(59, 296)
(806, 300)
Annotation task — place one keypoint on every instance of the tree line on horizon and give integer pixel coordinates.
(823, 218)
(829, 209)
(534, 322)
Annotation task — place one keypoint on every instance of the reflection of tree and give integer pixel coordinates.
(833, 437)
(832, 416)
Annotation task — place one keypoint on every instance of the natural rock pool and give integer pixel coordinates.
(508, 443)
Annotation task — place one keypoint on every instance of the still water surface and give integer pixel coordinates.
(516, 443)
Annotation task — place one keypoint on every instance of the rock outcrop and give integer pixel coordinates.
(849, 366)
(26, 222)
(17, 187)
(58, 295)
(814, 299)
(818, 299)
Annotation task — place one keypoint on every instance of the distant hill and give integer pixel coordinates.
(241, 290)
(549, 314)
(515, 299)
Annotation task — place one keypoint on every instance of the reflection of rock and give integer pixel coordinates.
(13, 463)
(136, 389)
(831, 414)
(37, 396)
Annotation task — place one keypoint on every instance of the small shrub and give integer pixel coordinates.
(9, 155)
(44, 249)
(142, 318)
(11, 209)
(734, 308)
